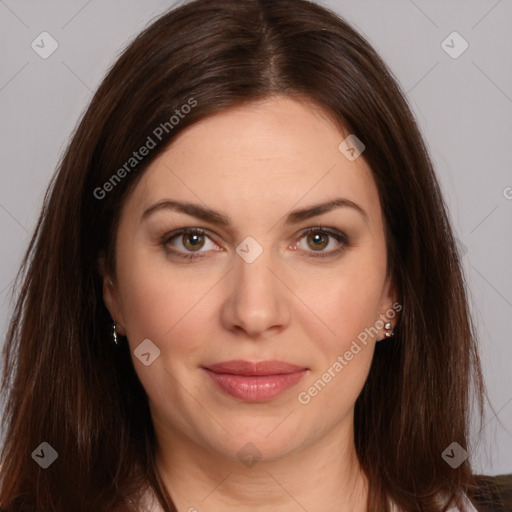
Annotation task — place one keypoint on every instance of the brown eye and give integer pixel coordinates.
(193, 241)
(318, 241)
(189, 243)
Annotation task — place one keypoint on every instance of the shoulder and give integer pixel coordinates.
(492, 494)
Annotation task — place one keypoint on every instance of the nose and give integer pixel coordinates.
(257, 302)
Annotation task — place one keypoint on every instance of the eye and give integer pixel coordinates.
(189, 241)
(319, 238)
(194, 243)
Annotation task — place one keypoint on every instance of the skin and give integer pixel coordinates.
(254, 164)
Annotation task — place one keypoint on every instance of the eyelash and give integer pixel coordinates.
(337, 235)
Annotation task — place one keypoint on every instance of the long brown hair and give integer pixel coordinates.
(66, 382)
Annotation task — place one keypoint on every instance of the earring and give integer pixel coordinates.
(114, 334)
(389, 328)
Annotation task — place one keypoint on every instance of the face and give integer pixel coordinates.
(250, 274)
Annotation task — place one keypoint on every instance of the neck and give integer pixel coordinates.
(325, 475)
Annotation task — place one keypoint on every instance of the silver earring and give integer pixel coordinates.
(114, 334)
(389, 328)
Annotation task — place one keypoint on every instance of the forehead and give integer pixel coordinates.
(271, 155)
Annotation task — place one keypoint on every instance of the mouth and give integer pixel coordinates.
(254, 382)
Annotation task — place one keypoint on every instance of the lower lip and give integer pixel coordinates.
(257, 388)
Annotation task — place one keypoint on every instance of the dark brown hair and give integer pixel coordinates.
(68, 384)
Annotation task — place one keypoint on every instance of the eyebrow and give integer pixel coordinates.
(209, 215)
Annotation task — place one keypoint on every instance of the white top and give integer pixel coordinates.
(151, 505)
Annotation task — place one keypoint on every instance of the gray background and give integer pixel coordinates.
(463, 105)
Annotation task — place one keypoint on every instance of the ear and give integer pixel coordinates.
(389, 305)
(111, 296)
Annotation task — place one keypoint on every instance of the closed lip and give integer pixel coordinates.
(257, 368)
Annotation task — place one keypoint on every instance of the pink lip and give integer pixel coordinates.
(255, 382)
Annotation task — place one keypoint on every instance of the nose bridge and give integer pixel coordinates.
(257, 300)
(253, 277)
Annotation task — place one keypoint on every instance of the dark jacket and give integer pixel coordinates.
(494, 494)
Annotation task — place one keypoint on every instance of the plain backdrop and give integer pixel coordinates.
(463, 103)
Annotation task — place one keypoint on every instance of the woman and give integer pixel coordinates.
(243, 290)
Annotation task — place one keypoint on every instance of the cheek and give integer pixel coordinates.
(162, 304)
(342, 344)
(345, 301)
